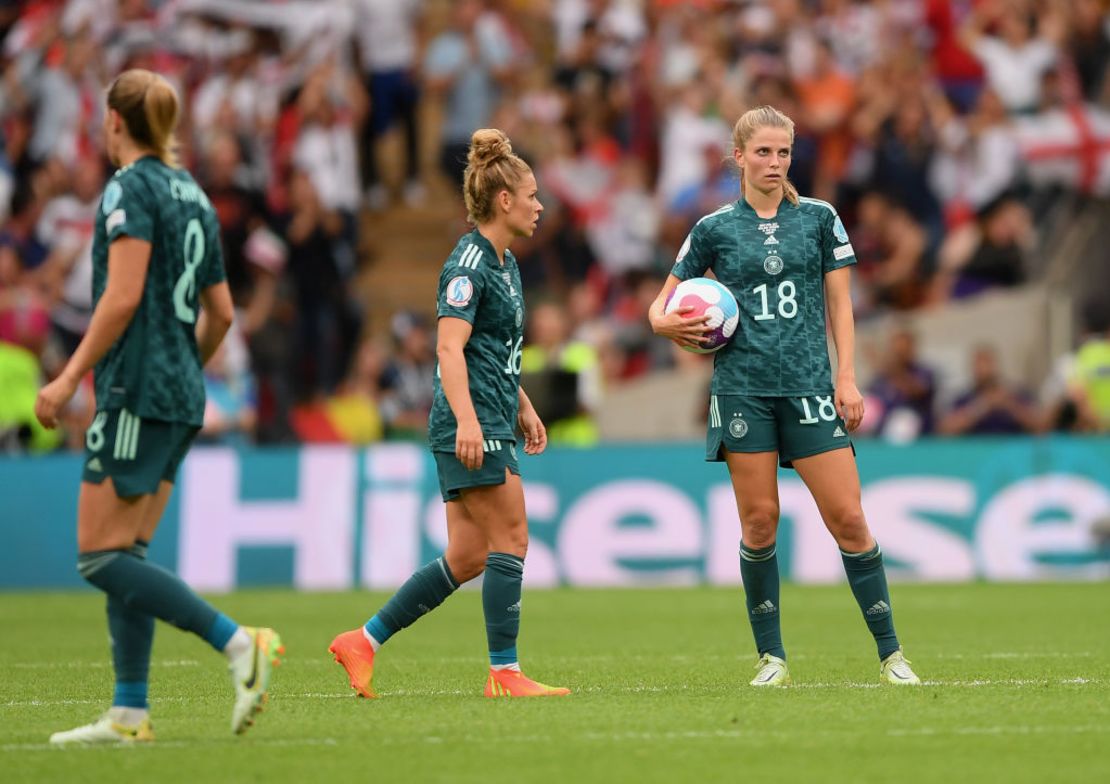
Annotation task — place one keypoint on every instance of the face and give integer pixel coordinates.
(984, 366)
(522, 207)
(765, 159)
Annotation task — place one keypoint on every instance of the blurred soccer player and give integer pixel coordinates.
(771, 399)
(162, 308)
(477, 405)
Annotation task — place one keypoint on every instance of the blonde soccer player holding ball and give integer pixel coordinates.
(774, 400)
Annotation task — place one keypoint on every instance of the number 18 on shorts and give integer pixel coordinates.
(795, 427)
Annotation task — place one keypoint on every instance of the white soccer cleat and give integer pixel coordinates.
(772, 672)
(104, 731)
(896, 670)
(250, 672)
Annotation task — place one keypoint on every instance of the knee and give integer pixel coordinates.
(849, 527)
(513, 540)
(466, 566)
(760, 524)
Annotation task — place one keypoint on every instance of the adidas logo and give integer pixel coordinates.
(879, 608)
(838, 433)
(514, 608)
(94, 465)
(770, 241)
(764, 607)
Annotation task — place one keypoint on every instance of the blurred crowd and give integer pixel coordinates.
(939, 129)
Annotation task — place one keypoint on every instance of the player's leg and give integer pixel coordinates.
(833, 480)
(425, 590)
(499, 511)
(754, 478)
(107, 528)
(742, 432)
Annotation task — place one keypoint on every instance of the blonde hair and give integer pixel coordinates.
(149, 107)
(491, 167)
(764, 117)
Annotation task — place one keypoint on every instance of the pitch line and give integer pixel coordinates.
(601, 690)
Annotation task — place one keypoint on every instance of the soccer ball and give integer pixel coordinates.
(707, 297)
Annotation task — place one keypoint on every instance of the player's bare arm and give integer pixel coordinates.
(849, 401)
(452, 336)
(128, 260)
(686, 332)
(217, 313)
(535, 434)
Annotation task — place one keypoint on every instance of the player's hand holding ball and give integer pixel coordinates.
(701, 316)
(535, 434)
(469, 444)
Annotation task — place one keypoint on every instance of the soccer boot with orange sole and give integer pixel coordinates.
(356, 654)
(514, 683)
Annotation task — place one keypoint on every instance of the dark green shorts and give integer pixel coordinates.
(795, 427)
(136, 453)
(454, 476)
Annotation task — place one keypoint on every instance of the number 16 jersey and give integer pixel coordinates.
(476, 287)
(775, 267)
(153, 369)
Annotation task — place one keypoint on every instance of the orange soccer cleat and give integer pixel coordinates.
(514, 683)
(355, 653)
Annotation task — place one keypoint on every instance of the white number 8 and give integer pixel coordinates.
(186, 287)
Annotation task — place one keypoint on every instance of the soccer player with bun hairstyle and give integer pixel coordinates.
(773, 398)
(471, 431)
(162, 309)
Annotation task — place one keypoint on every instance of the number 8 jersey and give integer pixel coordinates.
(153, 370)
(775, 267)
(477, 288)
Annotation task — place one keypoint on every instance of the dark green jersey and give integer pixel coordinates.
(477, 288)
(775, 267)
(153, 370)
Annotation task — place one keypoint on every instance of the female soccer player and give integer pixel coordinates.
(156, 257)
(478, 403)
(782, 257)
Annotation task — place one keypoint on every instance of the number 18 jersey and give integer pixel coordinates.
(153, 370)
(476, 287)
(775, 267)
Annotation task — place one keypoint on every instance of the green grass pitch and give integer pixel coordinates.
(1018, 690)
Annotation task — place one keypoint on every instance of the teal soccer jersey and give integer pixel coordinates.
(153, 370)
(475, 287)
(775, 267)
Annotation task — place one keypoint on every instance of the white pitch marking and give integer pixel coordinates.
(98, 665)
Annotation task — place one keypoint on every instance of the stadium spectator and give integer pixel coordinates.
(904, 390)
(65, 230)
(993, 257)
(889, 245)
(406, 381)
(1090, 378)
(386, 38)
(466, 65)
(231, 409)
(563, 377)
(1015, 59)
(991, 406)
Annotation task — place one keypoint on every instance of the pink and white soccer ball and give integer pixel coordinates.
(707, 297)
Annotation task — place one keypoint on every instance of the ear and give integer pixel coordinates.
(738, 156)
(505, 199)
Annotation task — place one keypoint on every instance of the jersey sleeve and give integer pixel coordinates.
(214, 271)
(460, 292)
(836, 250)
(694, 257)
(128, 208)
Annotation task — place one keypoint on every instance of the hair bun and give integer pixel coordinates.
(486, 146)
